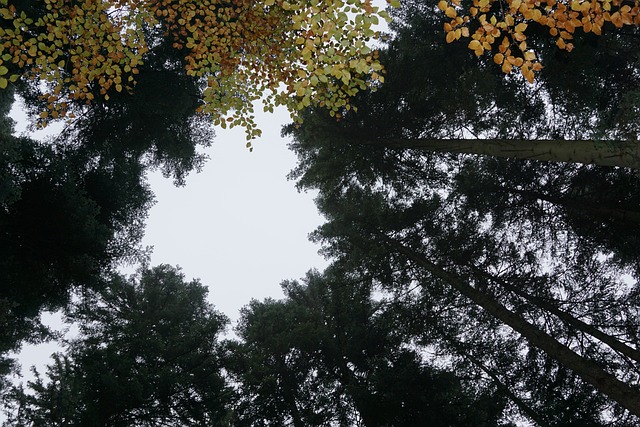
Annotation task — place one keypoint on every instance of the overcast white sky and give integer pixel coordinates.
(239, 225)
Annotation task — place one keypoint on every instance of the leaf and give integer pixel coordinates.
(450, 12)
(451, 36)
(474, 44)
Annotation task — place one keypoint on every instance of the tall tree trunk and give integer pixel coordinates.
(587, 369)
(569, 319)
(603, 153)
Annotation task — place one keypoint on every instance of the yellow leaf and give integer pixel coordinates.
(442, 5)
(537, 14)
(450, 12)
(528, 74)
(509, 20)
(520, 28)
(519, 37)
(3, 83)
(474, 44)
(451, 36)
(498, 58)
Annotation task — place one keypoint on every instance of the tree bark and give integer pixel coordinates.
(603, 153)
(587, 369)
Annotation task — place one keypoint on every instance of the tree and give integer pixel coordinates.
(598, 205)
(147, 354)
(74, 205)
(486, 266)
(464, 105)
(329, 353)
(580, 313)
(67, 216)
(487, 21)
(92, 50)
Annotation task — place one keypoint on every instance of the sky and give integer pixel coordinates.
(239, 225)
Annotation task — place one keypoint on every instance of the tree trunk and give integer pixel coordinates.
(587, 369)
(603, 153)
(569, 319)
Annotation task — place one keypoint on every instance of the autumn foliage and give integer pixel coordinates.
(297, 53)
(500, 27)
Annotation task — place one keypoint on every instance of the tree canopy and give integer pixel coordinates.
(329, 353)
(592, 118)
(463, 289)
(148, 354)
(521, 271)
(477, 283)
(299, 52)
(510, 30)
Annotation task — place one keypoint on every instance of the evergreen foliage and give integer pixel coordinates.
(147, 354)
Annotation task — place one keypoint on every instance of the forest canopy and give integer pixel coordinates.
(474, 277)
(288, 53)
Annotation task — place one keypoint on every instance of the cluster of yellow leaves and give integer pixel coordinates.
(297, 52)
(73, 46)
(500, 25)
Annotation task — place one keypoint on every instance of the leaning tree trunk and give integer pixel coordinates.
(587, 369)
(603, 153)
(569, 319)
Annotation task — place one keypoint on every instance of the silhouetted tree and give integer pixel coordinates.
(148, 354)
